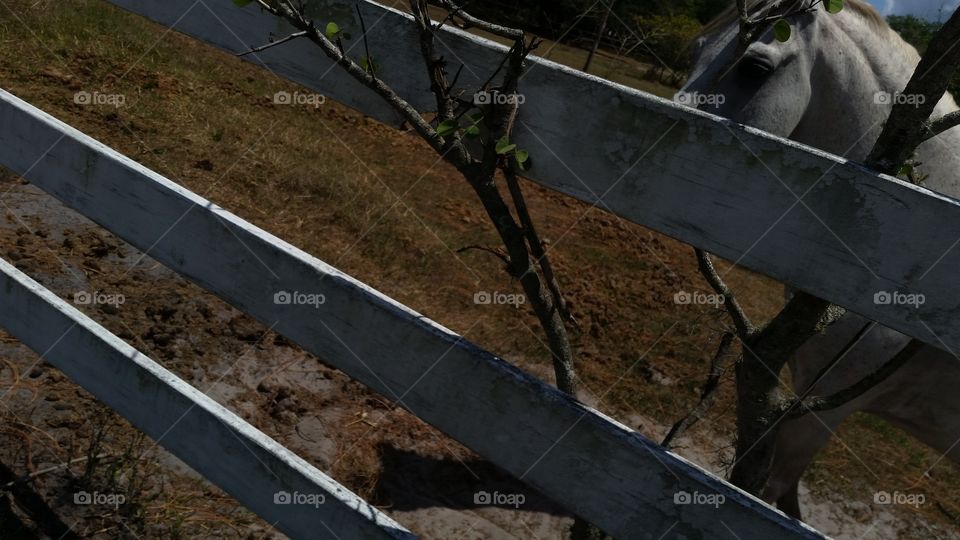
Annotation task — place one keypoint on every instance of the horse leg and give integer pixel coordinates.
(797, 443)
(789, 502)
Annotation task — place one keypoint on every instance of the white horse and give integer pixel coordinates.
(830, 86)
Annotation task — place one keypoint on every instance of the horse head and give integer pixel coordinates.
(830, 85)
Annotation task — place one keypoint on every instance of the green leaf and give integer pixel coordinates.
(241, 3)
(473, 129)
(504, 146)
(906, 170)
(782, 30)
(523, 159)
(833, 6)
(447, 127)
(332, 30)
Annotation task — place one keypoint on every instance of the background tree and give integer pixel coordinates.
(913, 30)
(664, 27)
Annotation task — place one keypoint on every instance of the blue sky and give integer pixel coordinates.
(927, 9)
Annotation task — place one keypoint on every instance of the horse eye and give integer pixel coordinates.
(755, 67)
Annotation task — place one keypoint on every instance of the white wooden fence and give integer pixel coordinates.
(692, 176)
(804, 217)
(223, 447)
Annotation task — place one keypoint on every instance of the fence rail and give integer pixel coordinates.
(214, 441)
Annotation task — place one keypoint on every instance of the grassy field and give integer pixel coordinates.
(376, 203)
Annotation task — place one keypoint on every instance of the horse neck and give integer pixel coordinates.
(852, 63)
(844, 117)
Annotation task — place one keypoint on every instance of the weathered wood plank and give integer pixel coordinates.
(711, 183)
(215, 442)
(590, 464)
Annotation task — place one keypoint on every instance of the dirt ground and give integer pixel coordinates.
(372, 201)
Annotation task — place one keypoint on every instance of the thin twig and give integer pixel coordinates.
(537, 246)
(718, 366)
(502, 256)
(295, 35)
(456, 76)
(54, 468)
(366, 46)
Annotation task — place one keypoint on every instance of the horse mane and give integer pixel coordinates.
(731, 15)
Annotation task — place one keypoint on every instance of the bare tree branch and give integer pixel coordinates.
(537, 246)
(745, 328)
(752, 28)
(841, 397)
(407, 111)
(907, 124)
(758, 377)
(469, 21)
(935, 127)
(436, 67)
(828, 367)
